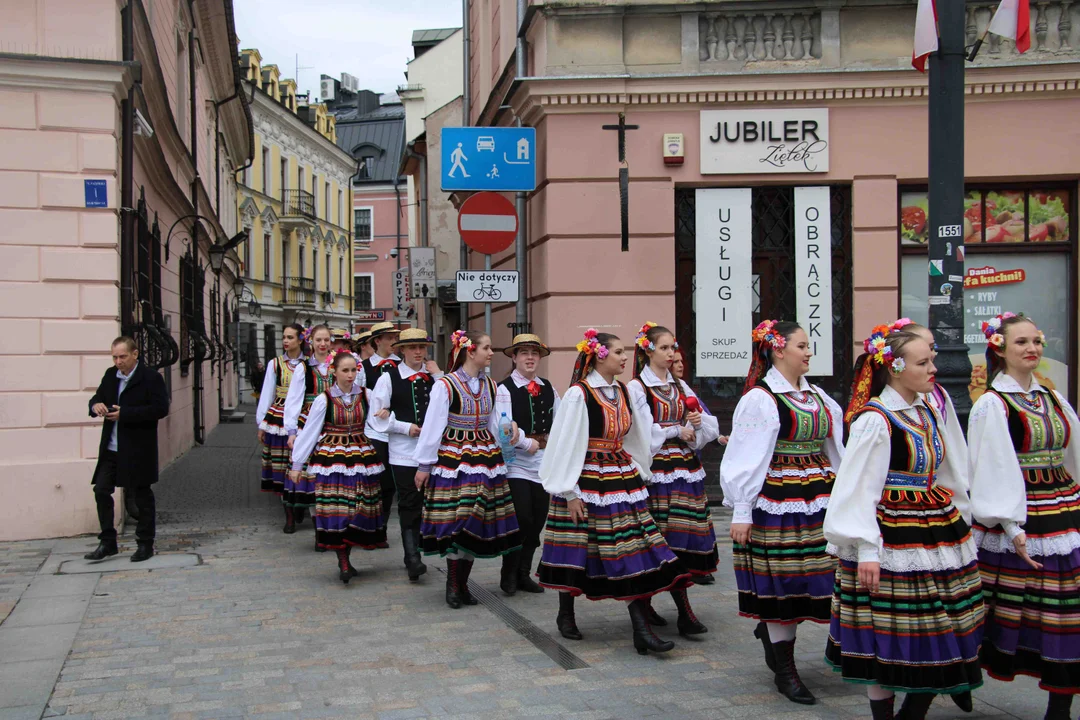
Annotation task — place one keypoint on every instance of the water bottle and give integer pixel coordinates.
(506, 434)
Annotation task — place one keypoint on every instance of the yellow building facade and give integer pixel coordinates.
(295, 200)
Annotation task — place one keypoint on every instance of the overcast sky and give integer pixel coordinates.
(370, 39)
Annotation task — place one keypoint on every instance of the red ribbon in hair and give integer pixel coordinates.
(860, 387)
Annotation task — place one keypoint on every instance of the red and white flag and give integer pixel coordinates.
(926, 35)
(1013, 20)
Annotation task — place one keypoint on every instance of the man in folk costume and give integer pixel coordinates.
(398, 405)
(382, 339)
(531, 402)
(131, 398)
(363, 345)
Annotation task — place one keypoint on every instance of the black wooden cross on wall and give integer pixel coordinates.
(624, 178)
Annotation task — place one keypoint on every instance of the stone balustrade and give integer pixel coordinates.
(752, 37)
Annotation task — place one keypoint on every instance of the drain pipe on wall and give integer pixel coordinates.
(424, 241)
(521, 316)
(466, 107)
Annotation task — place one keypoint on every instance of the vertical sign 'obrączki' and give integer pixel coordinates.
(724, 280)
(813, 274)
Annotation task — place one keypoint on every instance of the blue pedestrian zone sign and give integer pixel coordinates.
(488, 158)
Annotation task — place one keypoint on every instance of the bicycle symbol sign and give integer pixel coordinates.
(487, 286)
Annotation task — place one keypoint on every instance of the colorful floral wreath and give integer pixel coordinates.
(992, 329)
(879, 351)
(642, 340)
(334, 353)
(306, 335)
(900, 324)
(765, 332)
(591, 346)
(460, 340)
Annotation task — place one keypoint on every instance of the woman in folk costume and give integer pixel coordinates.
(601, 541)
(270, 413)
(678, 429)
(678, 369)
(907, 611)
(1026, 505)
(777, 474)
(468, 510)
(348, 502)
(305, 386)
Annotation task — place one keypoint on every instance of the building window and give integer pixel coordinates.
(247, 256)
(1019, 244)
(314, 195)
(284, 260)
(329, 277)
(341, 275)
(364, 286)
(340, 208)
(367, 167)
(284, 175)
(326, 202)
(362, 224)
(300, 262)
(266, 256)
(300, 179)
(266, 171)
(314, 266)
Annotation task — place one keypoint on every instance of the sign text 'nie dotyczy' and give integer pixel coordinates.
(745, 142)
(724, 299)
(813, 273)
(487, 286)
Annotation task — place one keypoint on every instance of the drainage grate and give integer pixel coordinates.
(526, 629)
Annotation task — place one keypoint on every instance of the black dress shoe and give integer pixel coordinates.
(102, 551)
(145, 552)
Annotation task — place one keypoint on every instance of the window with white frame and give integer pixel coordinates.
(364, 289)
(362, 225)
(266, 171)
(340, 208)
(341, 275)
(314, 266)
(326, 201)
(329, 277)
(284, 260)
(267, 241)
(247, 256)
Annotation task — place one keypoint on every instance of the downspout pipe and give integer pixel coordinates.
(466, 106)
(127, 180)
(217, 150)
(424, 241)
(521, 253)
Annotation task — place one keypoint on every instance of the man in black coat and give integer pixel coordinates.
(131, 399)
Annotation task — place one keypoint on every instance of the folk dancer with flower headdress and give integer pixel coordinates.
(907, 611)
(270, 413)
(304, 387)
(468, 509)
(333, 446)
(601, 541)
(678, 430)
(1026, 504)
(531, 402)
(679, 371)
(777, 473)
(383, 358)
(399, 404)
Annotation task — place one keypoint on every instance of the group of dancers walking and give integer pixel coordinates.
(930, 556)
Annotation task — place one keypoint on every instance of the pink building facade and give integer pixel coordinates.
(77, 269)
(717, 91)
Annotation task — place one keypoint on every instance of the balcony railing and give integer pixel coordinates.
(298, 203)
(300, 291)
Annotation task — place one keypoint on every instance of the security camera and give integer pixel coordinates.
(142, 127)
(393, 252)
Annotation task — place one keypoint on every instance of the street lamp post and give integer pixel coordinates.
(946, 206)
(238, 291)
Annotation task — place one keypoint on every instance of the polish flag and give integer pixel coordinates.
(926, 36)
(1013, 20)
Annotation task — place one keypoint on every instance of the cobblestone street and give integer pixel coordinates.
(258, 625)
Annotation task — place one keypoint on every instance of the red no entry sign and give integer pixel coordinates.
(488, 223)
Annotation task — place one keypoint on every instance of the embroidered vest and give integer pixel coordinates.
(315, 383)
(1039, 430)
(284, 377)
(409, 398)
(469, 411)
(609, 420)
(667, 403)
(533, 415)
(805, 422)
(372, 372)
(342, 419)
(916, 449)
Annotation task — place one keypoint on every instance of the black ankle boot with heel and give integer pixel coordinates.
(644, 638)
(565, 619)
(687, 623)
(788, 681)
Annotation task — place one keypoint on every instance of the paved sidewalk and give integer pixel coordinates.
(261, 627)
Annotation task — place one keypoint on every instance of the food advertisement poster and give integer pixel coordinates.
(1035, 284)
(995, 216)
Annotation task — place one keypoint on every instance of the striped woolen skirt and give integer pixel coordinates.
(467, 503)
(300, 493)
(618, 552)
(922, 630)
(348, 497)
(275, 449)
(1033, 616)
(680, 507)
(784, 574)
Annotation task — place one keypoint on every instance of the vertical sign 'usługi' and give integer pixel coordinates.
(724, 299)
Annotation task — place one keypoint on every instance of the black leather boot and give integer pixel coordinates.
(882, 709)
(651, 615)
(452, 597)
(145, 551)
(103, 550)
(915, 706)
(464, 570)
(704, 580)
(1059, 707)
(788, 681)
(290, 521)
(761, 632)
(414, 565)
(644, 638)
(299, 514)
(565, 619)
(963, 700)
(524, 575)
(508, 580)
(344, 566)
(687, 623)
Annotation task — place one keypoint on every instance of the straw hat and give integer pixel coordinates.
(383, 328)
(363, 337)
(414, 336)
(340, 334)
(527, 340)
